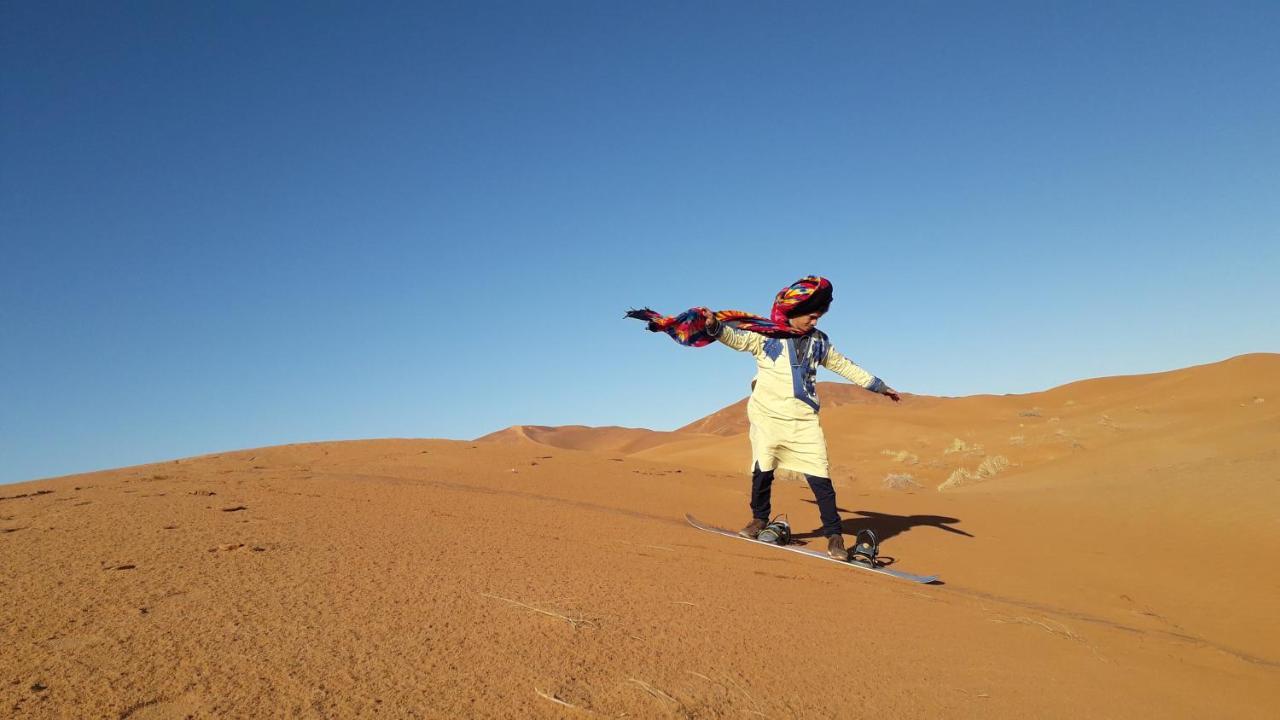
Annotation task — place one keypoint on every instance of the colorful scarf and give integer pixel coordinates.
(690, 327)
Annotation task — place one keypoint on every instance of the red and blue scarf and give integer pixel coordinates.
(690, 327)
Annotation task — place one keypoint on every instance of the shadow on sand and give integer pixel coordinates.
(884, 525)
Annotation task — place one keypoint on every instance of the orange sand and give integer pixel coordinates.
(1122, 561)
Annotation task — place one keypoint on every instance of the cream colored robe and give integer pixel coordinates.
(783, 408)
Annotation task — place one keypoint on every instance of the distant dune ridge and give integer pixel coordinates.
(1108, 548)
(946, 436)
(581, 437)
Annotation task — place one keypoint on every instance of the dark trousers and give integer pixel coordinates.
(823, 492)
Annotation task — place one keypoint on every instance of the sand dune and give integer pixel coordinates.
(581, 437)
(1120, 561)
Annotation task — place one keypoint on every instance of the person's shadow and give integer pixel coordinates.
(885, 525)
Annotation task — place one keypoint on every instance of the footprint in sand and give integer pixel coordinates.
(184, 706)
(229, 547)
(26, 495)
(68, 643)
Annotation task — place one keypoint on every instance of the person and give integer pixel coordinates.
(783, 408)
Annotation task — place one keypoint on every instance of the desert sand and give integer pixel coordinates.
(1107, 549)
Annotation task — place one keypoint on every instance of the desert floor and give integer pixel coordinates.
(1106, 549)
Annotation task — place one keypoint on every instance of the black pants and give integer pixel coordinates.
(762, 487)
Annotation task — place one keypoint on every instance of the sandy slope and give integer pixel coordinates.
(1118, 567)
(582, 437)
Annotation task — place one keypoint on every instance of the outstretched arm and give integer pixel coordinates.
(739, 340)
(850, 371)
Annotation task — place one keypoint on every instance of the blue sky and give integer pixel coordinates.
(227, 225)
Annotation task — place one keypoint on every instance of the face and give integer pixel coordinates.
(806, 322)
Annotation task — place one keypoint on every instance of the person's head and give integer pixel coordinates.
(805, 322)
(803, 302)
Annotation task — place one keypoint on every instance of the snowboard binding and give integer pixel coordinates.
(867, 546)
(777, 532)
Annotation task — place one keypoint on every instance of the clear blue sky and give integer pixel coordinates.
(235, 224)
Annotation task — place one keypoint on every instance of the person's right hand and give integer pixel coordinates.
(710, 319)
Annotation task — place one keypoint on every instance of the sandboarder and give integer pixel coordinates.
(783, 409)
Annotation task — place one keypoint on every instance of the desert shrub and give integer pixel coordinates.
(901, 481)
(786, 475)
(992, 465)
(902, 456)
(988, 468)
(960, 446)
(958, 478)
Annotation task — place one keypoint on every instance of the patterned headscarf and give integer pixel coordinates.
(806, 295)
(809, 294)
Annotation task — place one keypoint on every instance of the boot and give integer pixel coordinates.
(753, 528)
(835, 547)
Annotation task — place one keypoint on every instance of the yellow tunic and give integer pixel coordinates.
(783, 408)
